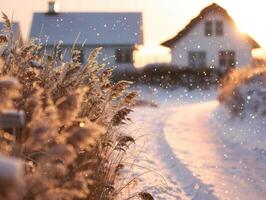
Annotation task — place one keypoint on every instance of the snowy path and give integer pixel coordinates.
(181, 144)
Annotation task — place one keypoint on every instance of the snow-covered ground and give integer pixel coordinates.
(184, 152)
(249, 132)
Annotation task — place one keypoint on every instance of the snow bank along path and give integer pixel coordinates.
(187, 159)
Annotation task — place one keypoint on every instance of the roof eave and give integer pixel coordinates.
(255, 44)
(167, 43)
(251, 41)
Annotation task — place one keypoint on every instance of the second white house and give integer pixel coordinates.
(118, 34)
(211, 40)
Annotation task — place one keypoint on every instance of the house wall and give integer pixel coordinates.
(106, 56)
(196, 40)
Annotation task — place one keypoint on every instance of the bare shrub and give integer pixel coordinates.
(243, 91)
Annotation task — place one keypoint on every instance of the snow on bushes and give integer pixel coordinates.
(243, 92)
(241, 117)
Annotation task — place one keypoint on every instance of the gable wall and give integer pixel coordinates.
(196, 40)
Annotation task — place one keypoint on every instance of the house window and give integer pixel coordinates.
(208, 28)
(231, 59)
(77, 56)
(123, 56)
(219, 28)
(222, 58)
(227, 58)
(197, 59)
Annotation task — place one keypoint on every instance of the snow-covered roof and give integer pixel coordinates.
(93, 28)
(15, 28)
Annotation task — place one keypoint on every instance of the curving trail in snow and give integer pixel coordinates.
(188, 158)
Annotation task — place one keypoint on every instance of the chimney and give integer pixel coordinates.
(52, 7)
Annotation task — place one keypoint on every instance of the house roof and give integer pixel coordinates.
(92, 28)
(15, 28)
(213, 8)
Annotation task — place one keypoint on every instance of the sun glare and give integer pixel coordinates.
(248, 17)
(243, 22)
(151, 53)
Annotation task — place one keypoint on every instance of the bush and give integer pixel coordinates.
(171, 76)
(70, 145)
(243, 92)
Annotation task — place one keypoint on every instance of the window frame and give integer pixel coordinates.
(222, 58)
(118, 56)
(193, 57)
(219, 28)
(124, 55)
(227, 58)
(232, 59)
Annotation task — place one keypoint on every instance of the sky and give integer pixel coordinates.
(162, 18)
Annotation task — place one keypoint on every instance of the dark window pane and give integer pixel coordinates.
(231, 59)
(208, 28)
(128, 56)
(222, 58)
(231, 62)
(191, 58)
(202, 59)
(124, 56)
(197, 59)
(118, 56)
(222, 61)
(227, 58)
(219, 28)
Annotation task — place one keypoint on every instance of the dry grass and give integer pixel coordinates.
(70, 146)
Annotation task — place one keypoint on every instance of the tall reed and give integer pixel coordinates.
(70, 145)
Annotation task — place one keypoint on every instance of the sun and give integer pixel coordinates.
(248, 16)
(151, 53)
(244, 23)
(240, 14)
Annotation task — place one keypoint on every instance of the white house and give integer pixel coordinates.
(117, 33)
(211, 40)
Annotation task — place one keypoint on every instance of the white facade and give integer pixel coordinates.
(196, 40)
(107, 55)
